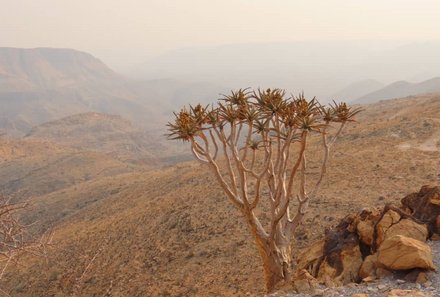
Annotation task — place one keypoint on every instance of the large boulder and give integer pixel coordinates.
(342, 254)
(335, 260)
(408, 228)
(342, 267)
(425, 206)
(401, 253)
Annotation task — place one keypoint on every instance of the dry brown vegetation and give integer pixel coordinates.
(15, 240)
(171, 232)
(32, 167)
(109, 134)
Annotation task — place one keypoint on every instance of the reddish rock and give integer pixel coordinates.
(366, 221)
(346, 271)
(422, 278)
(342, 254)
(408, 228)
(388, 219)
(425, 206)
(368, 267)
(402, 253)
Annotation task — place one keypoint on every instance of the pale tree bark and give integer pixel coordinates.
(277, 131)
(274, 245)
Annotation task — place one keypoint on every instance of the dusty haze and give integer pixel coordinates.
(125, 33)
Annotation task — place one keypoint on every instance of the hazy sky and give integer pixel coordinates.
(126, 32)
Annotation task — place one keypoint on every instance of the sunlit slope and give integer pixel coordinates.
(171, 231)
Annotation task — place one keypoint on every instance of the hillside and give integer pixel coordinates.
(22, 69)
(319, 68)
(171, 232)
(401, 89)
(30, 168)
(357, 89)
(104, 133)
(45, 84)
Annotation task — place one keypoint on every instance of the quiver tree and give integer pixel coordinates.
(256, 145)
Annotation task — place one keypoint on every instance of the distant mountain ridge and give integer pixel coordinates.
(358, 89)
(49, 68)
(400, 89)
(44, 84)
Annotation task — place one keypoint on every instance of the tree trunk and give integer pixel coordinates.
(276, 263)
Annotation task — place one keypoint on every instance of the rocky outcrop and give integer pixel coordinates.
(375, 242)
(425, 206)
(401, 253)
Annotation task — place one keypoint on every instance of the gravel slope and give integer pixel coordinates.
(382, 287)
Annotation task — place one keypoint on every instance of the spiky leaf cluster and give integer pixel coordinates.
(263, 110)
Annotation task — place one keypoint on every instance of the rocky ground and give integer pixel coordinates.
(395, 260)
(382, 287)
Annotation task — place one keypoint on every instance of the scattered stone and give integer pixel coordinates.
(304, 282)
(369, 279)
(422, 278)
(360, 295)
(382, 287)
(401, 253)
(318, 293)
(329, 282)
(406, 293)
(427, 284)
(368, 267)
(382, 272)
(412, 275)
